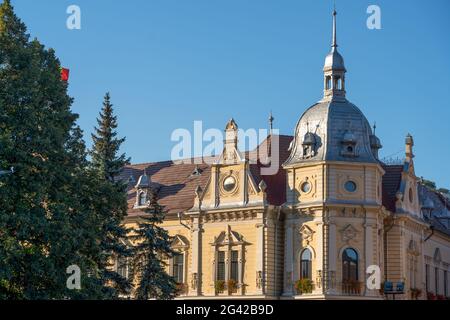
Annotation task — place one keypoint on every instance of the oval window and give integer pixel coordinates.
(410, 195)
(350, 186)
(306, 187)
(229, 183)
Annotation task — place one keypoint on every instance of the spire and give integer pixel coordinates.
(271, 118)
(334, 70)
(409, 143)
(334, 43)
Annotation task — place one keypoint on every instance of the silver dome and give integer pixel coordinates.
(334, 61)
(332, 120)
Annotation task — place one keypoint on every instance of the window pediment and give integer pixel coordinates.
(180, 242)
(228, 237)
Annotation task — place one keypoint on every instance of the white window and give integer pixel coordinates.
(142, 199)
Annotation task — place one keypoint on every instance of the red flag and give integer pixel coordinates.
(64, 74)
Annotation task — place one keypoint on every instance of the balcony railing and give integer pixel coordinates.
(352, 288)
(226, 287)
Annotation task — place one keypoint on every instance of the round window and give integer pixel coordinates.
(350, 186)
(229, 183)
(306, 187)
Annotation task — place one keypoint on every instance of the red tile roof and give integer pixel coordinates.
(177, 183)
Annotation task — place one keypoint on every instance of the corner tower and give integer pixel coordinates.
(333, 206)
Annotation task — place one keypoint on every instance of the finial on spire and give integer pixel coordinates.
(374, 127)
(271, 118)
(334, 43)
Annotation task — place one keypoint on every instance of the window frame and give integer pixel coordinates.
(178, 267)
(347, 263)
(306, 264)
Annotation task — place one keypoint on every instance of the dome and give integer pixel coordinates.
(428, 204)
(375, 142)
(334, 61)
(143, 182)
(333, 120)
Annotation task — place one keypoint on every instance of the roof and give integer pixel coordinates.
(390, 185)
(330, 122)
(176, 181)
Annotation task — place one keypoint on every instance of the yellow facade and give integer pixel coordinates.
(334, 223)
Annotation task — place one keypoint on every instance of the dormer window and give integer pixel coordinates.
(348, 145)
(309, 145)
(142, 199)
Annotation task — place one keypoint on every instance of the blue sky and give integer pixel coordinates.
(168, 63)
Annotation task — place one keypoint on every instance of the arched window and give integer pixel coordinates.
(349, 265)
(337, 83)
(305, 264)
(142, 199)
(328, 83)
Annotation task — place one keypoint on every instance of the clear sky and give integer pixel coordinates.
(170, 62)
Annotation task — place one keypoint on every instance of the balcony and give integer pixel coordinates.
(304, 286)
(352, 288)
(229, 287)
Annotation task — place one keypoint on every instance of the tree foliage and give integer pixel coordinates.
(152, 250)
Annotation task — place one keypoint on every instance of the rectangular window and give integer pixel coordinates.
(436, 280)
(445, 283)
(234, 274)
(427, 277)
(220, 266)
(122, 267)
(178, 267)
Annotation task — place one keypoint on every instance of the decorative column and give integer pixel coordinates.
(368, 249)
(289, 257)
(195, 287)
(260, 257)
(321, 284)
(332, 257)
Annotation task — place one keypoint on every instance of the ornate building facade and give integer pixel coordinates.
(331, 217)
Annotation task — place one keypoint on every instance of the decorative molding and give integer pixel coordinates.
(241, 215)
(306, 233)
(348, 233)
(179, 242)
(227, 238)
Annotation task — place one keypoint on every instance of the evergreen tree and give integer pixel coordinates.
(111, 197)
(48, 220)
(153, 247)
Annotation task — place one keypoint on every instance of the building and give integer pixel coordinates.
(332, 212)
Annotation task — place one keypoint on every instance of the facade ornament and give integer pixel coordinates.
(348, 233)
(306, 233)
(259, 279)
